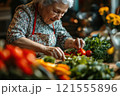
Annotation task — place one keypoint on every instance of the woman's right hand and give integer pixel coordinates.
(55, 52)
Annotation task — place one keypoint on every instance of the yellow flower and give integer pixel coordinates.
(110, 16)
(113, 18)
(116, 22)
(103, 9)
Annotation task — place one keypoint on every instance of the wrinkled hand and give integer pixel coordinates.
(78, 43)
(55, 52)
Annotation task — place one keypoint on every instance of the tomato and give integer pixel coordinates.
(10, 48)
(29, 55)
(27, 51)
(88, 53)
(67, 54)
(15, 51)
(81, 51)
(4, 54)
(24, 66)
(18, 53)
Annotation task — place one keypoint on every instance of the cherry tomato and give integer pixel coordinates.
(81, 51)
(88, 53)
(67, 54)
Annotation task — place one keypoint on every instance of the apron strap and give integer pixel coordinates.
(36, 9)
(53, 28)
(35, 20)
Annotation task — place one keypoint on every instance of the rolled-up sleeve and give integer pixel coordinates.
(62, 35)
(18, 26)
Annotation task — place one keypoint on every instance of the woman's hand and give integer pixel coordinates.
(74, 43)
(55, 52)
(78, 43)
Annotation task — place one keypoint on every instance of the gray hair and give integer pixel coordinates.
(48, 2)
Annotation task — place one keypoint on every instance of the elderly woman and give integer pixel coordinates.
(37, 26)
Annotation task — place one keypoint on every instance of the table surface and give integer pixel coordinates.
(116, 69)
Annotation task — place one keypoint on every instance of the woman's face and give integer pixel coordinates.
(52, 12)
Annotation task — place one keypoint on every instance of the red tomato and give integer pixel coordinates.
(29, 55)
(24, 66)
(82, 51)
(67, 54)
(4, 54)
(10, 48)
(15, 51)
(88, 53)
(27, 51)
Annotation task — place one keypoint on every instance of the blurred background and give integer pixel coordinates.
(80, 21)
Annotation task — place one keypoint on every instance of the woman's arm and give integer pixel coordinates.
(29, 44)
(47, 50)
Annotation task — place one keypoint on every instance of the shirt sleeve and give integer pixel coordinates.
(18, 26)
(62, 35)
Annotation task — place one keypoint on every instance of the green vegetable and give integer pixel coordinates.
(49, 59)
(87, 68)
(99, 48)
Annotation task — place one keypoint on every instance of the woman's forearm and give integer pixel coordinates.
(29, 44)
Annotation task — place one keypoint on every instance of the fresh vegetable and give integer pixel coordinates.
(62, 71)
(87, 68)
(18, 63)
(99, 48)
(49, 59)
(88, 53)
(76, 52)
(81, 52)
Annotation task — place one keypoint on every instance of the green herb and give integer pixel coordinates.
(99, 48)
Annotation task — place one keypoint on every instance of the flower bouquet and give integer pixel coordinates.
(111, 20)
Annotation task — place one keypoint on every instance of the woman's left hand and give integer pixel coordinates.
(78, 43)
